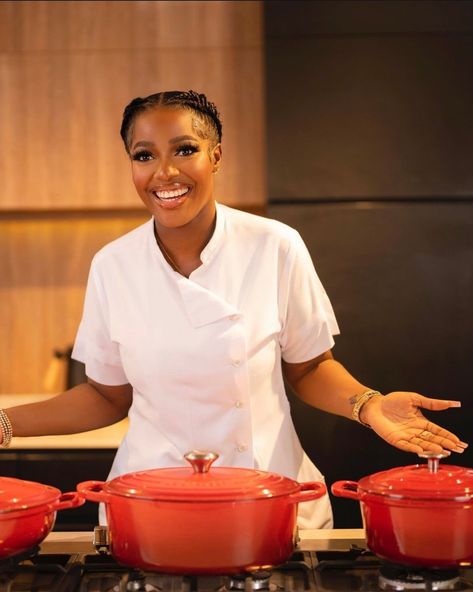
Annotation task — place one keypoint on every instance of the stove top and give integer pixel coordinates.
(79, 567)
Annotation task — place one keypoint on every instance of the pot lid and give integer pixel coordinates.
(199, 482)
(422, 481)
(17, 494)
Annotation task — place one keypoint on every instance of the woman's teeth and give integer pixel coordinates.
(171, 194)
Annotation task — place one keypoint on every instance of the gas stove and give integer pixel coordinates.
(324, 561)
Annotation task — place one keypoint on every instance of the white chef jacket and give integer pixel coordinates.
(203, 353)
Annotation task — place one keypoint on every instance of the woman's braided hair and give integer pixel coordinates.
(191, 100)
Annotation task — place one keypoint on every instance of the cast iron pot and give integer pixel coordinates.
(419, 515)
(194, 520)
(27, 513)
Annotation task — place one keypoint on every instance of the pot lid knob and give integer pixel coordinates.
(201, 460)
(433, 459)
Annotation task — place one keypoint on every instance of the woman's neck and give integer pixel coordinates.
(182, 246)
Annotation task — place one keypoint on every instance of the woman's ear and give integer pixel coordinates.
(216, 157)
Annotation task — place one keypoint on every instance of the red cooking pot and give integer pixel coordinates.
(27, 513)
(419, 515)
(195, 520)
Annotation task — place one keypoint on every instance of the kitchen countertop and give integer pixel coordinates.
(310, 539)
(108, 437)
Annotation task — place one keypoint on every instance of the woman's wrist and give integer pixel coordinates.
(6, 431)
(362, 403)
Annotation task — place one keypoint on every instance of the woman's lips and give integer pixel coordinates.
(170, 198)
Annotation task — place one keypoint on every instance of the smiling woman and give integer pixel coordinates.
(192, 321)
(174, 149)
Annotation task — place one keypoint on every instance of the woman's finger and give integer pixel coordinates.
(435, 404)
(449, 444)
(445, 438)
(434, 434)
(427, 442)
(413, 443)
(408, 446)
(418, 446)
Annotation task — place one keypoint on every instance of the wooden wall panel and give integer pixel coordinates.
(42, 282)
(63, 26)
(70, 69)
(64, 148)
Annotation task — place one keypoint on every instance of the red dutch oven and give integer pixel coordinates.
(195, 520)
(27, 513)
(419, 515)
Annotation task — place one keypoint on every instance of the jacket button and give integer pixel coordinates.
(242, 447)
(238, 404)
(236, 362)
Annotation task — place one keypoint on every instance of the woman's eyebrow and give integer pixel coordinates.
(143, 144)
(176, 140)
(183, 138)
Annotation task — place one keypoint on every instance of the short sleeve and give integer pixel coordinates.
(308, 319)
(93, 345)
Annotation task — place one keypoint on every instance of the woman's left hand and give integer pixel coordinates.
(398, 419)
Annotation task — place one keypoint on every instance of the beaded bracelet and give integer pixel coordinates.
(6, 429)
(358, 401)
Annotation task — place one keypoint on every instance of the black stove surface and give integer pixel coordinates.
(359, 569)
(346, 570)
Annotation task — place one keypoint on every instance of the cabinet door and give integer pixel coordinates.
(8, 463)
(64, 469)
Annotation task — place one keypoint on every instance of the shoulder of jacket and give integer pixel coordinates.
(262, 225)
(124, 244)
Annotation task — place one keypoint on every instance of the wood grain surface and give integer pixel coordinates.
(42, 285)
(67, 70)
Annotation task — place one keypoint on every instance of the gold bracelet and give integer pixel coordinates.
(358, 401)
(6, 429)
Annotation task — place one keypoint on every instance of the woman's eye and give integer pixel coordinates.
(142, 156)
(186, 150)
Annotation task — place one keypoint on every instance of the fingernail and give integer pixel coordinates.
(455, 404)
(459, 450)
(462, 444)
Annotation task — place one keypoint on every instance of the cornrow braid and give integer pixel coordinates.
(191, 100)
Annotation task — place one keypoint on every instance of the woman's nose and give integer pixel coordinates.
(165, 169)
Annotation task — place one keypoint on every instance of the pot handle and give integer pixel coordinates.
(310, 490)
(347, 489)
(68, 500)
(93, 491)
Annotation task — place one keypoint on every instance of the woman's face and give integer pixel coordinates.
(172, 166)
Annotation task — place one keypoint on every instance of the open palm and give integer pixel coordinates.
(398, 419)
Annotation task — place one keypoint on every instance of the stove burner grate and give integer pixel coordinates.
(353, 558)
(33, 571)
(11, 563)
(400, 577)
(258, 580)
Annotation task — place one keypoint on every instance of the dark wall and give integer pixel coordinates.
(370, 152)
(369, 99)
(400, 278)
